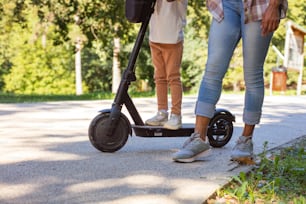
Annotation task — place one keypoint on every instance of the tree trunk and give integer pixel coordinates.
(78, 67)
(116, 66)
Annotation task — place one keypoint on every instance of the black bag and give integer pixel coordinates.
(136, 11)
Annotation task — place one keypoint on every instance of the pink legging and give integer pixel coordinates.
(167, 60)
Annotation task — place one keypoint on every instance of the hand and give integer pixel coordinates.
(270, 20)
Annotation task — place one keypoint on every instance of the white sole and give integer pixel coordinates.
(194, 158)
(172, 127)
(155, 124)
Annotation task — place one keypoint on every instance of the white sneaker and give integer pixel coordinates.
(243, 148)
(159, 119)
(192, 150)
(174, 123)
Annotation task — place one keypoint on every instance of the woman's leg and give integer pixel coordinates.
(223, 39)
(255, 48)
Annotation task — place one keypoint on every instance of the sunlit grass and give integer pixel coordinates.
(24, 98)
(279, 178)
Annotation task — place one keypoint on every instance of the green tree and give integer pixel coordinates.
(8, 17)
(96, 67)
(36, 65)
(46, 29)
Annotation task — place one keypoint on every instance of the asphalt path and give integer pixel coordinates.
(46, 156)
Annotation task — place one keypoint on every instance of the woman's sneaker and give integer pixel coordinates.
(174, 123)
(243, 150)
(159, 119)
(192, 150)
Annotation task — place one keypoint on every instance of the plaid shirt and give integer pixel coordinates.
(253, 9)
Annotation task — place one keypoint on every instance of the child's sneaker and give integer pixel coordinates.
(159, 119)
(195, 148)
(243, 150)
(174, 123)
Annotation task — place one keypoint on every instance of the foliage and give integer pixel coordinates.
(193, 63)
(36, 67)
(58, 24)
(35, 73)
(296, 13)
(7, 18)
(199, 18)
(143, 66)
(65, 21)
(280, 178)
(96, 68)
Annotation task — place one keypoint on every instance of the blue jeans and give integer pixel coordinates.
(223, 39)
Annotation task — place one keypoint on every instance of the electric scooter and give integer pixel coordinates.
(110, 129)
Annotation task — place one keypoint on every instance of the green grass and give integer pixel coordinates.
(279, 178)
(23, 98)
(32, 98)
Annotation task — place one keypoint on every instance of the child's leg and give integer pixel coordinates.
(160, 76)
(173, 58)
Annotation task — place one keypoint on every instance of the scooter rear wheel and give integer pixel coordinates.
(98, 133)
(220, 130)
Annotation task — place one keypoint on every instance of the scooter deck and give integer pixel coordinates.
(158, 131)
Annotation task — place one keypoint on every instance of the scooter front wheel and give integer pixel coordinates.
(220, 130)
(98, 133)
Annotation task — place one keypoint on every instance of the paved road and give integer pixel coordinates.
(46, 157)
